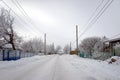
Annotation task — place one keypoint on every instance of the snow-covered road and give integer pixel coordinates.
(56, 67)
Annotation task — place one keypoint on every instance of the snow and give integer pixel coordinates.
(117, 62)
(59, 67)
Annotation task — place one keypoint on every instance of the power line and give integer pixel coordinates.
(115, 35)
(16, 3)
(108, 3)
(21, 7)
(17, 7)
(18, 17)
(92, 20)
(14, 12)
(24, 13)
(92, 15)
(104, 8)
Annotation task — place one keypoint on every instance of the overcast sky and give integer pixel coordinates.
(58, 18)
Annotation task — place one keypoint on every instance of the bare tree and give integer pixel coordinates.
(8, 35)
(66, 49)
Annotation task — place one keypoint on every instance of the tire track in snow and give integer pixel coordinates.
(13, 73)
(37, 68)
(55, 68)
(31, 69)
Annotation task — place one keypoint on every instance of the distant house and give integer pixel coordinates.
(113, 46)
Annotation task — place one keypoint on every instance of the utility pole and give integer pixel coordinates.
(45, 43)
(70, 46)
(77, 39)
(53, 48)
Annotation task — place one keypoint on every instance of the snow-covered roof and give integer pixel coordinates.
(113, 40)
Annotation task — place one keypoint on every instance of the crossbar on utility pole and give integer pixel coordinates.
(77, 39)
(45, 43)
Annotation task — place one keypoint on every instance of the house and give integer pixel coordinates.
(113, 46)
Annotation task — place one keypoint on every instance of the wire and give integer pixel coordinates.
(25, 13)
(92, 15)
(17, 7)
(97, 16)
(19, 17)
(108, 3)
(115, 35)
(21, 7)
(12, 11)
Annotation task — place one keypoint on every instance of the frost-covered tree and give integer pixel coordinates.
(88, 44)
(99, 46)
(66, 49)
(7, 33)
(33, 45)
(57, 49)
(51, 49)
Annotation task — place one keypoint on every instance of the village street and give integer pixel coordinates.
(58, 67)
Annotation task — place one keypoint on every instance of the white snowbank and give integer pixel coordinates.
(100, 70)
(116, 58)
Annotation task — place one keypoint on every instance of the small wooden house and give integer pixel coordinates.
(111, 46)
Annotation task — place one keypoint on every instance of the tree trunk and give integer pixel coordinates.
(12, 41)
(13, 46)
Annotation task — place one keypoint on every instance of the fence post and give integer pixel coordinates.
(8, 55)
(19, 54)
(15, 54)
(3, 53)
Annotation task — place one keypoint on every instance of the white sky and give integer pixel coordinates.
(58, 18)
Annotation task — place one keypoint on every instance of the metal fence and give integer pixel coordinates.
(13, 54)
(97, 55)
